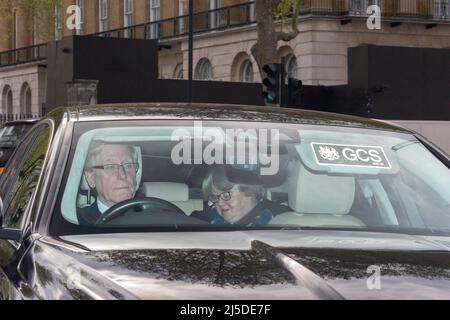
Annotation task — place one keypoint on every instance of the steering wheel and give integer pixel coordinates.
(140, 204)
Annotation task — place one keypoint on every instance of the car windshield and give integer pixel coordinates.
(216, 174)
(10, 135)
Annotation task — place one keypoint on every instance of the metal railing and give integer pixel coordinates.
(23, 55)
(432, 10)
(244, 14)
(204, 21)
(17, 116)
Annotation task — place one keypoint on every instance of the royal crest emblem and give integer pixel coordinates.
(329, 153)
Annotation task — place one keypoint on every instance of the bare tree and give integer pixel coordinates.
(268, 13)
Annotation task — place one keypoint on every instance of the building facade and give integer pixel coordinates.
(225, 33)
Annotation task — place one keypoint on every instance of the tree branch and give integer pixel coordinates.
(288, 36)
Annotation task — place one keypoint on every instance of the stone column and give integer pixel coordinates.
(82, 92)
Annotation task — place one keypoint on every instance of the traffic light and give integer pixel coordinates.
(272, 83)
(294, 91)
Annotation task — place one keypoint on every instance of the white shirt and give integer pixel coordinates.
(101, 207)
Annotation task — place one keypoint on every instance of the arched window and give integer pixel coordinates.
(25, 99)
(247, 71)
(204, 70)
(7, 100)
(291, 66)
(242, 68)
(287, 57)
(178, 73)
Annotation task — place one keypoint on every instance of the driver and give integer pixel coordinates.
(110, 171)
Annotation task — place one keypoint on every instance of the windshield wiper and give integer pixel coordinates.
(404, 145)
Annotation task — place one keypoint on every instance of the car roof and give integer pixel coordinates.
(224, 112)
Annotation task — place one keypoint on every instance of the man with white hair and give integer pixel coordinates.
(110, 171)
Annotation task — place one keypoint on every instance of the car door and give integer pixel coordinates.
(17, 192)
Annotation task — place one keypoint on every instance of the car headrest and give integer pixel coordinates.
(319, 193)
(169, 191)
(85, 186)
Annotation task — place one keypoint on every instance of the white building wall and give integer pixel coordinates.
(320, 48)
(168, 60)
(16, 76)
(321, 52)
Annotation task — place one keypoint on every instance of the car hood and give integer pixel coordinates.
(269, 265)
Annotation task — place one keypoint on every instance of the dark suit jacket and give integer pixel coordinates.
(260, 215)
(88, 215)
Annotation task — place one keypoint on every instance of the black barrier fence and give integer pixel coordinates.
(383, 82)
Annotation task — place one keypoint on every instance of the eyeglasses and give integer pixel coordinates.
(110, 169)
(225, 196)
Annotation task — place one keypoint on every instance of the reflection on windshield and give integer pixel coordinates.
(11, 135)
(252, 175)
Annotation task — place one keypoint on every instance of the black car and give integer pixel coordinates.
(362, 207)
(10, 135)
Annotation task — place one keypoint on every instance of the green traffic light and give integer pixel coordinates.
(269, 97)
(272, 82)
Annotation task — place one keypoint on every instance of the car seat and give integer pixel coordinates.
(318, 199)
(176, 193)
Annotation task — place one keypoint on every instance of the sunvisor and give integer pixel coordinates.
(345, 153)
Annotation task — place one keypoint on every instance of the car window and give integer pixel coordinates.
(8, 177)
(282, 175)
(22, 175)
(10, 135)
